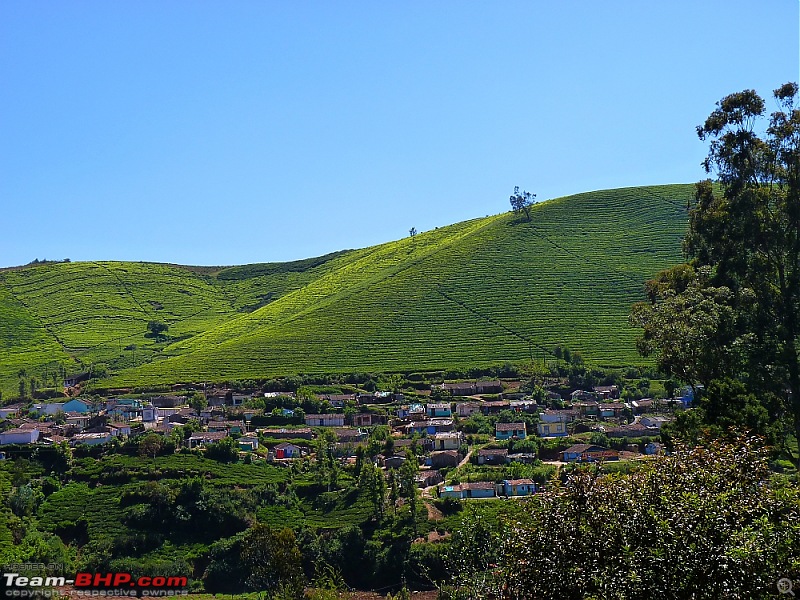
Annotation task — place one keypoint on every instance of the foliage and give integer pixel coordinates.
(734, 307)
(225, 451)
(273, 560)
(521, 202)
(705, 523)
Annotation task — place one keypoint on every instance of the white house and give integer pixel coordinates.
(447, 440)
(465, 409)
(654, 422)
(19, 436)
(329, 420)
(90, 439)
(49, 408)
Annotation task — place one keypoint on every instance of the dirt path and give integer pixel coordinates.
(466, 458)
(434, 514)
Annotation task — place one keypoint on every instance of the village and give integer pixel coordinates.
(463, 435)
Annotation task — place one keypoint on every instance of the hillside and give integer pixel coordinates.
(479, 292)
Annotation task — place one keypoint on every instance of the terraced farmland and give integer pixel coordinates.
(479, 292)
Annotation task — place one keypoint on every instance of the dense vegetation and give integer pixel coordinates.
(476, 293)
(712, 522)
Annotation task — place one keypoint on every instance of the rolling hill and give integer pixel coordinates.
(479, 292)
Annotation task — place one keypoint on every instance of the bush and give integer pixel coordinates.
(712, 522)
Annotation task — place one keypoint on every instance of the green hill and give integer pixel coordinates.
(475, 293)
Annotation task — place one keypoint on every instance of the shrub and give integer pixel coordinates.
(712, 522)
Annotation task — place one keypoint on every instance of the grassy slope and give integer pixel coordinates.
(482, 291)
(24, 341)
(91, 312)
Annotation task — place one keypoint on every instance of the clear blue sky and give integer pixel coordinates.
(217, 133)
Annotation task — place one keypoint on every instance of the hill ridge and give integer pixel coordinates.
(482, 291)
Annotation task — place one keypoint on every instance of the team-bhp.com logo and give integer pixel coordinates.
(95, 584)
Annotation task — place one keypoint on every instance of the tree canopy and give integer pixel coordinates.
(732, 310)
(521, 202)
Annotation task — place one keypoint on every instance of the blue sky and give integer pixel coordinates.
(223, 133)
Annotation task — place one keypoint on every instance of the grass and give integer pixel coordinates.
(118, 468)
(476, 293)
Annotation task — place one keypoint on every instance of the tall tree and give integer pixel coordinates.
(737, 301)
(521, 202)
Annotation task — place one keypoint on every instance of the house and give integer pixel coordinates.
(587, 408)
(447, 440)
(77, 420)
(493, 407)
(459, 389)
(428, 478)
(49, 409)
(176, 418)
(516, 487)
(430, 427)
(239, 399)
(588, 453)
(488, 456)
(610, 410)
(149, 414)
(91, 439)
(348, 434)
(564, 415)
(287, 450)
(488, 387)
(19, 436)
(527, 458)
(553, 396)
(394, 462)
(117, 428)
(438, 409)
(480, 489)
(606, 392)
(170, 401)
(654, 448)
(77, 405)
(326, 420)
(445, 458)
(367, 419)
(450, 491)
(338, 400)
(552, 429)
(465, 409)
(505, 431)
(642, 406)
(527, 406)
(216, 399)
(582, 396)
(203, 438)
(248, 443)
(229, 426)
(10, 411)
(653, 422)
(304, 433)
(415, 412)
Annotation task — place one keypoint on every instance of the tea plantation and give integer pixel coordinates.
(476, 293)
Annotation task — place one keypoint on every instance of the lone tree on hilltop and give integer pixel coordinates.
(522, 202)
(738, 297)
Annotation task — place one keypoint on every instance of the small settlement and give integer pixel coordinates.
(464, 436)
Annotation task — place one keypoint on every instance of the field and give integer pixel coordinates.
(475, 293)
